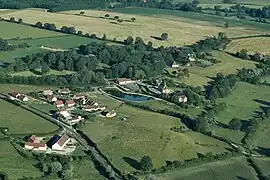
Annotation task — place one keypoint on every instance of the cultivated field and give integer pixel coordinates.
(181, 30)
(15, 165)
(253, 45)
(244, 101)
(146, 133)
(12, 30)
(234, 168)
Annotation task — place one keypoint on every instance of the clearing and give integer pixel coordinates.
(181, 30)
(253, 45)
(234, 168)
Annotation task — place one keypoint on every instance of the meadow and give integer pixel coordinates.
(14, 165)
(252, 45)
(263, 163)
(145, 133)
(7, 88)
(234, 168)
(52, 72)
(244, 101)
(246, 2)
(181, 30)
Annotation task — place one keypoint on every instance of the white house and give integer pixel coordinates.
(23, 98)
(47, 92)
(123, 81)
(35, 146)
(64, 113)
(64, 91)
(60, 143)
(183, 99)
(51, 98)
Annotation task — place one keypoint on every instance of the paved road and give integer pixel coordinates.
(73, 133)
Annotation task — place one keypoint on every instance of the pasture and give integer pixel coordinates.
(146, 133)
(252, 45)
(20, 121)
(244, 101)
(264, 164)
(7, 88)
(181, 30)
(260, 139)
(14, 165)
(52, 72)
(234, 168)
(13, 30)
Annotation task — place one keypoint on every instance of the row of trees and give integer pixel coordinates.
(263, 12)
(5, 46)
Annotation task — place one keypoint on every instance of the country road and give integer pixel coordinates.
(96, 154)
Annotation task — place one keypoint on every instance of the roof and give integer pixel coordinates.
(63, 140)
(123, 79)
(64, 90)
(70, 102)
(32, 138)
(14, 94)
(35, 145)
(48, 91)
(59, 102)
(21, 97)
(79, 95)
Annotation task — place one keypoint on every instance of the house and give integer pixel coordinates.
(191, 57)
(73, 120)
(79, 96)
(47, 92)
(51, 98)
(35, 146)
(59, 104)
(60, 143)
(15, 95)
(165, 90)
(23, 98)
(123, 81)
(70, 103)
(173, 64)
(33, 139)
(110, 114)
(94, 108)
(64, 91)
(183, 99)
(64, 113)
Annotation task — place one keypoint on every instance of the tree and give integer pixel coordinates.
(243, 54)
(82, 13)
(129, 40)
(226, 25)
(45, 69)
(133, 19)
(107, 15)
(79, 33)
(116, 17)
(119, 20)
(12, 19)
(56, 167)
(164, 36)
(235, 124)
(20, 20)
(104, 37)
(39, 24)
(146, 163)
(186, 72)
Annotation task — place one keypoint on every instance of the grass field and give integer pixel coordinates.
(244, 101)
(21, 121)
(52, 72)
(146, 133)
(7, 88)
(234, 168)
(264, 165)
(255, 2)
(259, 44)
(12, 30)
(181, 30)
(14, 165)
(212, 5)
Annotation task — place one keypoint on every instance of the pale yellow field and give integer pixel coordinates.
(260, 44)
(181, 31)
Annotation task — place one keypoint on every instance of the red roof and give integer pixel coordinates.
(63, 140)
(70, 102)
(59, 102)
(35, 145)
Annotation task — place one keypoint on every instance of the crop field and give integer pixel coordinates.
(21, 121)
(253, 45)
(227, 65)
(12, 30)
(234, 168)
(14, 165)
(244, 101)
(181, 30)
(146, 133)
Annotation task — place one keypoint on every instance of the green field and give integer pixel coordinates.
(264, 165)
(246, 2)
(260, 138)
(146, 133)
(7, 88)
(234, 168)
(52, 72)
(242, 102)
(12, 30)
(14, 165)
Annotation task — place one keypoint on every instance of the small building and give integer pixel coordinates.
(79, 96)
(18, 96)
(64, 91)
(64, 113)
(73, 120)
(23, 98)
(51, 98)
(70, 103)
(183, 99)
(123, 81)
(15, 95)
(59, 104)
(47, 92)
(33, 139)
(35, 146)
(60, 143)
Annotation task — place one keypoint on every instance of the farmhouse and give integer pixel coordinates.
(35, 146)
(123, 81)
(64, 91)
(15, 95)
(183, 98)
(47, 92)
(59, 104)
(51, 98)
(60, 142)
(70, 103)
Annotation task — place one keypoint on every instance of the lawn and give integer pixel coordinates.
(20, 121)
(253, 45)
(234, 168)
(244, 101)
(181, 30)
(146, 133)
(12, 30)
(14, 165)
(228, 65)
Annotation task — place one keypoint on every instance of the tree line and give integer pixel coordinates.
(5, 46)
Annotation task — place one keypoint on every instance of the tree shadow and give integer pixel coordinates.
(265, 103)
(222, 125)
(157, 38)
(132, 162)
(263, 151)
(241, 178)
